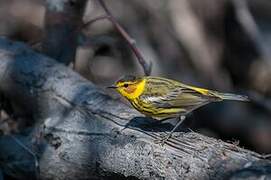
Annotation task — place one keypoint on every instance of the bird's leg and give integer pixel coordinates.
(163, 140)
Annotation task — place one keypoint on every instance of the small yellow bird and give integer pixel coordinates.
(162, 98)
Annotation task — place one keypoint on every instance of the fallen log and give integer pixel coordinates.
(79, 132)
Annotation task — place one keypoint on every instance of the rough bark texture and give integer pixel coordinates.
(83, 130)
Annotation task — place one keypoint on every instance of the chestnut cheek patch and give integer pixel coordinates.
(130, 89)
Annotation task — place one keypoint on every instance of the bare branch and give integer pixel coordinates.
(131, 42)
(62, 19)
(94, 20)
(82, 130)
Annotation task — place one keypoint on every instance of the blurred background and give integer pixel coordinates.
(217, 44)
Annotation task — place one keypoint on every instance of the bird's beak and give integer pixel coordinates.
(112, 87)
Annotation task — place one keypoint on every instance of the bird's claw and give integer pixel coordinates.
(162, 140)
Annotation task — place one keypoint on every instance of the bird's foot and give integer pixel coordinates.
(162, 140)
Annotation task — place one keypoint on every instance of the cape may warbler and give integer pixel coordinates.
(162, 98)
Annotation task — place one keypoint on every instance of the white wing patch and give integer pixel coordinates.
(153, 98)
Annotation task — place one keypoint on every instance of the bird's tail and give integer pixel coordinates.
(232, 97)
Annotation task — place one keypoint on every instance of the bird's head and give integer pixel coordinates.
(130, 86)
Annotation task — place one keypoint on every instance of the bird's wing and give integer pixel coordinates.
(184, 97)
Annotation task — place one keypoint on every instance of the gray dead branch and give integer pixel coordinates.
(78, 130)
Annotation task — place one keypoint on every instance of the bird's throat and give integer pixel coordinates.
(134, 91)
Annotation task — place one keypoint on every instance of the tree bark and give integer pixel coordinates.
(62, 20)
(88, 135)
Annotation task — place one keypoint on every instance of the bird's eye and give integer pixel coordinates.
(125, 85)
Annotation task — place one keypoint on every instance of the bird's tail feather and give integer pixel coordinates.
(232, 97)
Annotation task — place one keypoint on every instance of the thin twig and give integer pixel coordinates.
(131, 42)
(94, 20)
(37, 169)
(266, 156)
